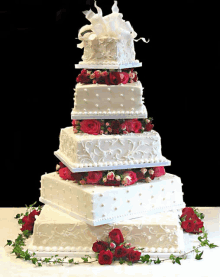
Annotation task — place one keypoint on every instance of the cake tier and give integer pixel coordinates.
(105, 101)
(56, 231)
(108, 52)
(97, 205)
(84, 152)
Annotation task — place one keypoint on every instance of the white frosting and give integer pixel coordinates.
(109, 100)
(108, 40)
(98, 205)
(55, 231)
(109, 51)
(83, 150)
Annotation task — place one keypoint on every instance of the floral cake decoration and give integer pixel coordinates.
(111, 178)
(112, 126)
(107, 76)
(115, 248)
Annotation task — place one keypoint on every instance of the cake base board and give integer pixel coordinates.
(81, 116)
(67, 163)
(108, 66)
(188, 240)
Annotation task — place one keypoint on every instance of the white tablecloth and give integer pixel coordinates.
(208, 266)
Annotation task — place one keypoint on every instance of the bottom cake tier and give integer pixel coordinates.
(55, 231)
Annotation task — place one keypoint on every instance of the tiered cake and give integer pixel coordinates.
(111, 171)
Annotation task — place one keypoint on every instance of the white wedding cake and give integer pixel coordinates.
(111, 171)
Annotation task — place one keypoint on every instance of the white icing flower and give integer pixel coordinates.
(104, 179)
(57, 167)
(148, 180)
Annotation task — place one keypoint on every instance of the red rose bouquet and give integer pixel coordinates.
(111, 178)
(191, 220)
(112, 126)
(115, 249)
(108, 77)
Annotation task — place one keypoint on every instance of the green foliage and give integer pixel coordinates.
(158, 261)
(145, 258)
(198, 256)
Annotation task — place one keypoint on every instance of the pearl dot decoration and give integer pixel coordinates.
(97, 95)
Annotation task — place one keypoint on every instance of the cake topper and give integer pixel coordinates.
(111, 25)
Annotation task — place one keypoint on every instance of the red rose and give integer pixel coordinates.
(84, 71)
(61, 165)
(90, 126)
(188, 226)
(140, 175)
(93, 177)
(116, 236)
(129, 178)
(198, 225)
(33, 213)
(120, 251)
(27, 226)
(97, 74)
(133, 125)
(98, 246)
(158, 171)
(188, 209)
(83, 78)
(115, 78)
(28, 223)
(75, 123)
(105, 257)
(136, 125)
(115, 126)
(188, 215)
(124, 77)
(149, 127)
(65, 173)
(133, 256)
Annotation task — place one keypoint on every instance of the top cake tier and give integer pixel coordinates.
(109, 53)
(108, 41)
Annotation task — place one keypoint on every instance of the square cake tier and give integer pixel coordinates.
(108, 52)
(57, 231)
(99, 100)
(102, 152)
(97, 205)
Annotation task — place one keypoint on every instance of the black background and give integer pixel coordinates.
(179, 75)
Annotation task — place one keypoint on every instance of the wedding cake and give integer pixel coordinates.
(111, 168)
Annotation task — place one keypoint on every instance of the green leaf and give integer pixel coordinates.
(178, 260)
(129, 263)
(172, 257)
(198, 256)
(9, 242)
(158, 261)
(85, 260)
(121, 261)
(20, 221)
(212, 245)
(145, 258)
(34, 260)
(70, 261)
(18, 216)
